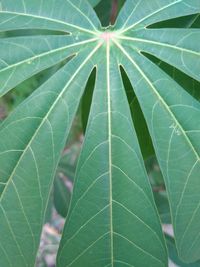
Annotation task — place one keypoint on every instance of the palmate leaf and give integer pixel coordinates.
(110, 172)
(112, 219)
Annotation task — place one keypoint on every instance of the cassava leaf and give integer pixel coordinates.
(109, 173)
(180, 44)
(62, 196)
(163, 207)
(60, 15)
(31, 140)
(26, 56)
(174, 255)
(112, 219)
(172, 119)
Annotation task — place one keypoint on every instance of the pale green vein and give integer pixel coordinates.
(160, 98)
(48, 113)
(48, 53)
(84, 225)
(159, 44)
(126, 22)
(23, 211)
(38, 176)
(149, 15)
(79, 11)
(10, 151)
(138, 247)
(85, 193)
(49, 19)
(109, 144)
(13, 235)
(91, 245)
(181, 199)
(141, 221)
(6, 254)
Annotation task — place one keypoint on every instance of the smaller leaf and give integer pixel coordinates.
(174, 255)
(138, 119)
(163, 206)
(87, 99)
(103, 10)
(62, 195)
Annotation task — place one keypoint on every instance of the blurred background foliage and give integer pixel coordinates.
(59, 201)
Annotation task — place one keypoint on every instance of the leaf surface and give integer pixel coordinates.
(22, 57)
(110, 180)
(94, 2)
(171, 118)
(112, 219)
(48, 14)
(31, 140)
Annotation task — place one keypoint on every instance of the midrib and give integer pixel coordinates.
(109, 142)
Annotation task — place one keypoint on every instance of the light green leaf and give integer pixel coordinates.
(181, 44)
(112, 220)
(22, 57)
(144, 13)
(180, 22)
(110, 180)
(189, 84)
(48, 14)
(62, 196)
(31, 140)
(163, 207)
(172, 118)
(103, 10)
(174, 256)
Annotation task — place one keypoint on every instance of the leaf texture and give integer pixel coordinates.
(26, 56)
(31, 142)
(110, 180)
(171, 117)
(112, 219)
(52, 15)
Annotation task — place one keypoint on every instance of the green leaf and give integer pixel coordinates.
(22, 57)
(94, 2)
(143, 14)
(62, 196)
(52, 15)
(182, 22)
(138, 119)
(174, 256)
(180, 44)
(112, 219)
(172, 120)
(31, 140)
(163, 207)
(87, 99)
(171, 116)
(63, 183)
(110, 179)
(189, 84)
(103, 10)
